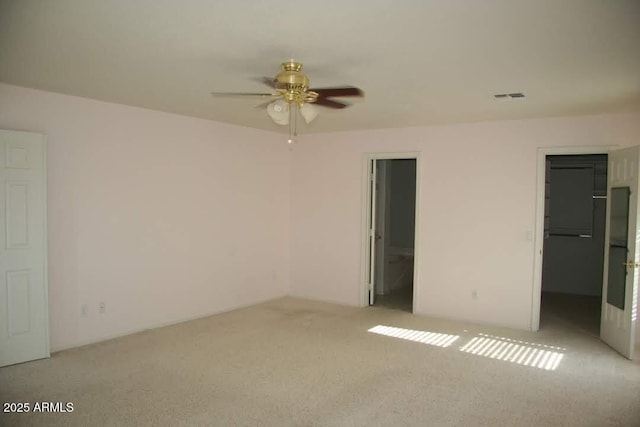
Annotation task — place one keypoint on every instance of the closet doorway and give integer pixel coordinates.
(573, 245)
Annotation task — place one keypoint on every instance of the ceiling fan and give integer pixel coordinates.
(291, 93)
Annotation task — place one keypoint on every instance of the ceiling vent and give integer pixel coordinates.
(512, 95)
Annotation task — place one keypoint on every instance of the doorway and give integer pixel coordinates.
(573, 242)
(391, 225)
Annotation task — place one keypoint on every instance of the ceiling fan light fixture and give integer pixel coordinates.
(309, 112)
(278, 110)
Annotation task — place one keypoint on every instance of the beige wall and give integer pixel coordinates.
(160, 216)
(477, 206)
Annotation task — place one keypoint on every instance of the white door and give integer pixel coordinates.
(621, 256)
(24, 321)
(381, 189)
(373, 165)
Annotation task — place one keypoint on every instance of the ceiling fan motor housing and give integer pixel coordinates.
(294, 84)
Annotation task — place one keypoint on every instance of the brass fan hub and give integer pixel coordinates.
(292, 66)
(293, 84)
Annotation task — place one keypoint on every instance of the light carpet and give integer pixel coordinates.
(293, 362)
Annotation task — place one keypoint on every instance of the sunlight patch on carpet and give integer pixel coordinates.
(524, 353)
(431, 338)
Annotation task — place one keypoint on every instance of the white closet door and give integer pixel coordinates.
(24, 320)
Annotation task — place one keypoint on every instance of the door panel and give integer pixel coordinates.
(621, 257)
(24, 332)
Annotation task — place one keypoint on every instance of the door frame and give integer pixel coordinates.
(538, 246)
(366, 221)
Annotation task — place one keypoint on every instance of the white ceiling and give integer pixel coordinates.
(420, 62)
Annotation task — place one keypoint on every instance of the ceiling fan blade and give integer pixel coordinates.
(229, 94)
(269, 81)
(338, 91)
(329, 103)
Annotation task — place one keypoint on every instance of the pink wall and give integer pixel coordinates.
(477, 204)
(162, 217)
(167, 218)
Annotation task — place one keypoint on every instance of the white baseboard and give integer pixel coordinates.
(161, 325)
(325, 300)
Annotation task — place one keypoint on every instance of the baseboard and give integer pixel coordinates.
(325, 300)
(162, 325)
(475, 322)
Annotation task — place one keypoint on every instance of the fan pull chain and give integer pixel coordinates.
(293, 128)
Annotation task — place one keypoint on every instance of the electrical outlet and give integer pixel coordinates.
(102, 308)
(84, 310)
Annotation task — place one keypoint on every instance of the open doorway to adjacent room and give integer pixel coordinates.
(392, 230)
(574, 238)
